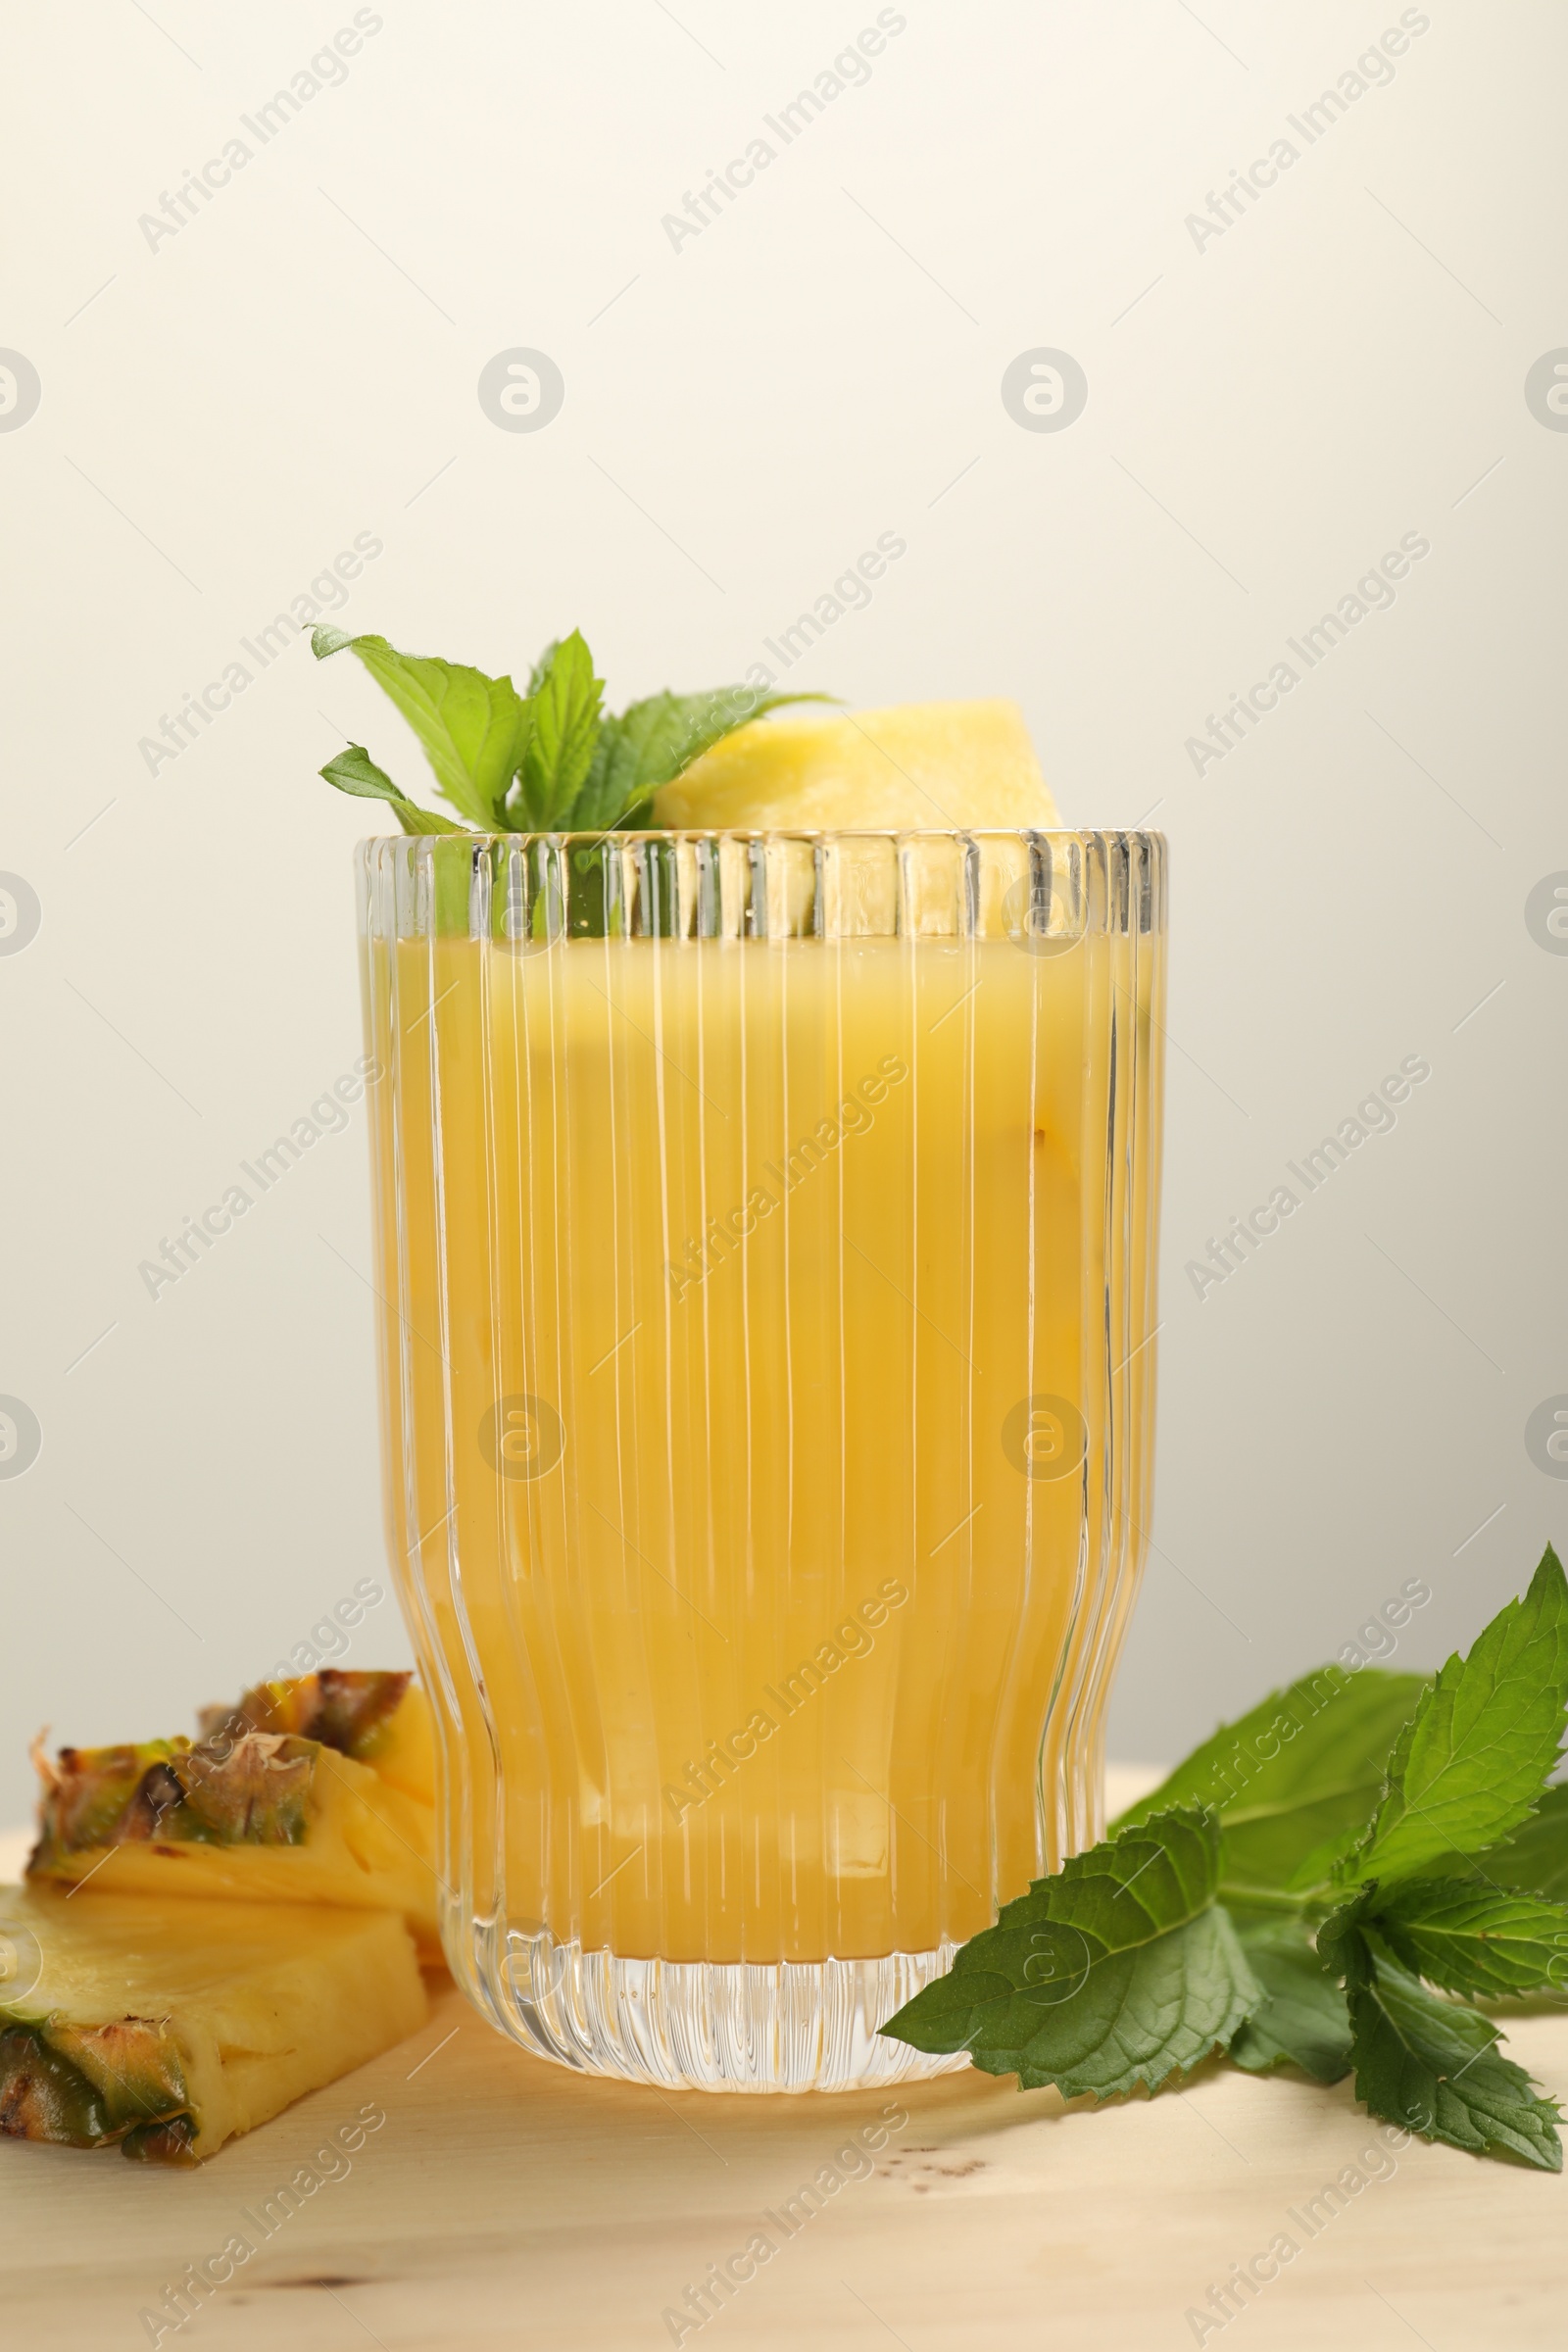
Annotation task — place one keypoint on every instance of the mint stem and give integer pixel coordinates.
(1272, 1899)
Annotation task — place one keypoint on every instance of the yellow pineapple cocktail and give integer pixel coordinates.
(765, 1231)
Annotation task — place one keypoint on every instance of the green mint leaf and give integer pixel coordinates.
(1341, 1941)
(1296, 1779)
(1302, 2017)
(474, 728)
(1536, 1857)
(576, 769)
(1474, 1758)
(1434, 2066)
(422, 821)
(1474, 1938)
(653, 741)
(1114, 1972)
(565, 700)
(355, 771)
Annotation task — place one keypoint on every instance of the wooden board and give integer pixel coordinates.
(506, 2203)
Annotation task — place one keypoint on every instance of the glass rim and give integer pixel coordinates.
(812, 834)
(859, 882)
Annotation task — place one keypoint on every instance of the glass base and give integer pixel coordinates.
(701, 2026)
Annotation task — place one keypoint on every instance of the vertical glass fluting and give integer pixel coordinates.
(765, 1231)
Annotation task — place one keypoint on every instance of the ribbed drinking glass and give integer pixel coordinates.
(765, 1228)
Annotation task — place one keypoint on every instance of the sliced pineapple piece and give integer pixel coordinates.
(168, 2028)
(379, 1718)
(259, 1817)
(937, 766)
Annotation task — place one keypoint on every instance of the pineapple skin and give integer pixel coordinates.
(379, 1718)
(167, 2029)
(335, 1832)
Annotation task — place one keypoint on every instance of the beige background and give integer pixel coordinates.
(223, 412)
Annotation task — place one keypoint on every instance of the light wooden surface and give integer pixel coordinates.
(506, 2203)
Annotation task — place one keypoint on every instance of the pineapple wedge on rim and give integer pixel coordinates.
(256, 1814)
(910, 766)
(167, 2028)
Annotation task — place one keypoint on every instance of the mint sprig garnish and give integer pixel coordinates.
(1301, 2019)
(1473, 1760)
(655, 740)
(1537, 1854)
(1116, 1972)
(1474, 1938)
(550, 759)
(1330, 1883)
(1434, 2066)
(1294, 1779)
(473, 729)
(565, 701)
(355, 771)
